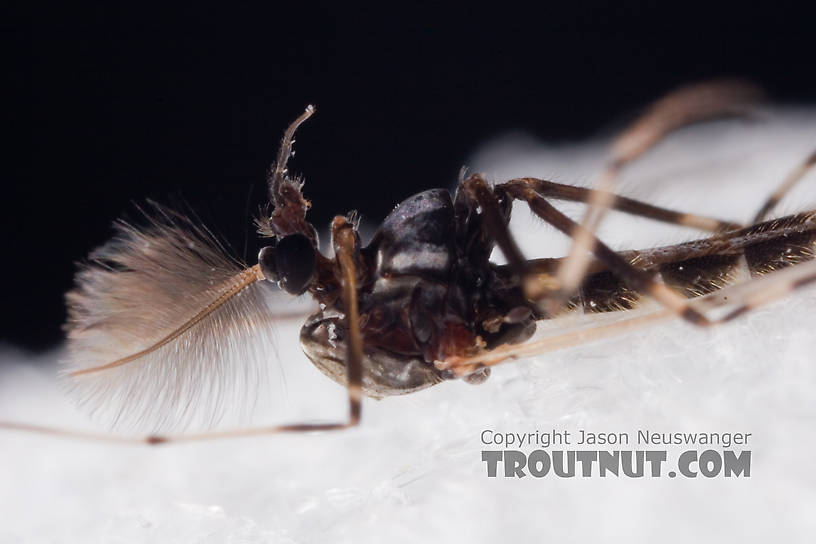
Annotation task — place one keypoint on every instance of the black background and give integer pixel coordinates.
(106, 107)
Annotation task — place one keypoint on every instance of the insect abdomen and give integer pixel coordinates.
(700, 267)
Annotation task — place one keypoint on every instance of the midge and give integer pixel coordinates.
(162, 307)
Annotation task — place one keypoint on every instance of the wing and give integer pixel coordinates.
(165, 330)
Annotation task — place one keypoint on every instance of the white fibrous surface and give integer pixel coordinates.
(413, 470)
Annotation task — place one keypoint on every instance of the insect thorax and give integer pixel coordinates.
(423, 299)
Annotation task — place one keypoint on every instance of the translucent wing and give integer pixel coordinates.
(165, 330)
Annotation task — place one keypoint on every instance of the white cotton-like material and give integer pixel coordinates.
(412, 472)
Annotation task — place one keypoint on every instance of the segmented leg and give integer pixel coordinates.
(787, 184)
(535, 289)
(636, 278)
(740, 297)
(480, 192)
(559, 191)
(346, 245)
(678, 109)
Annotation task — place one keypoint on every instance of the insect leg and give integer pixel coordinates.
(744, 297)
(346, 244)
(637, 279)
(559, 191)
(482, 195)
(787, 184)
(680, 108)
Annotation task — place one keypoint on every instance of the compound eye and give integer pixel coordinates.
(266, 260)
(291, 262)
